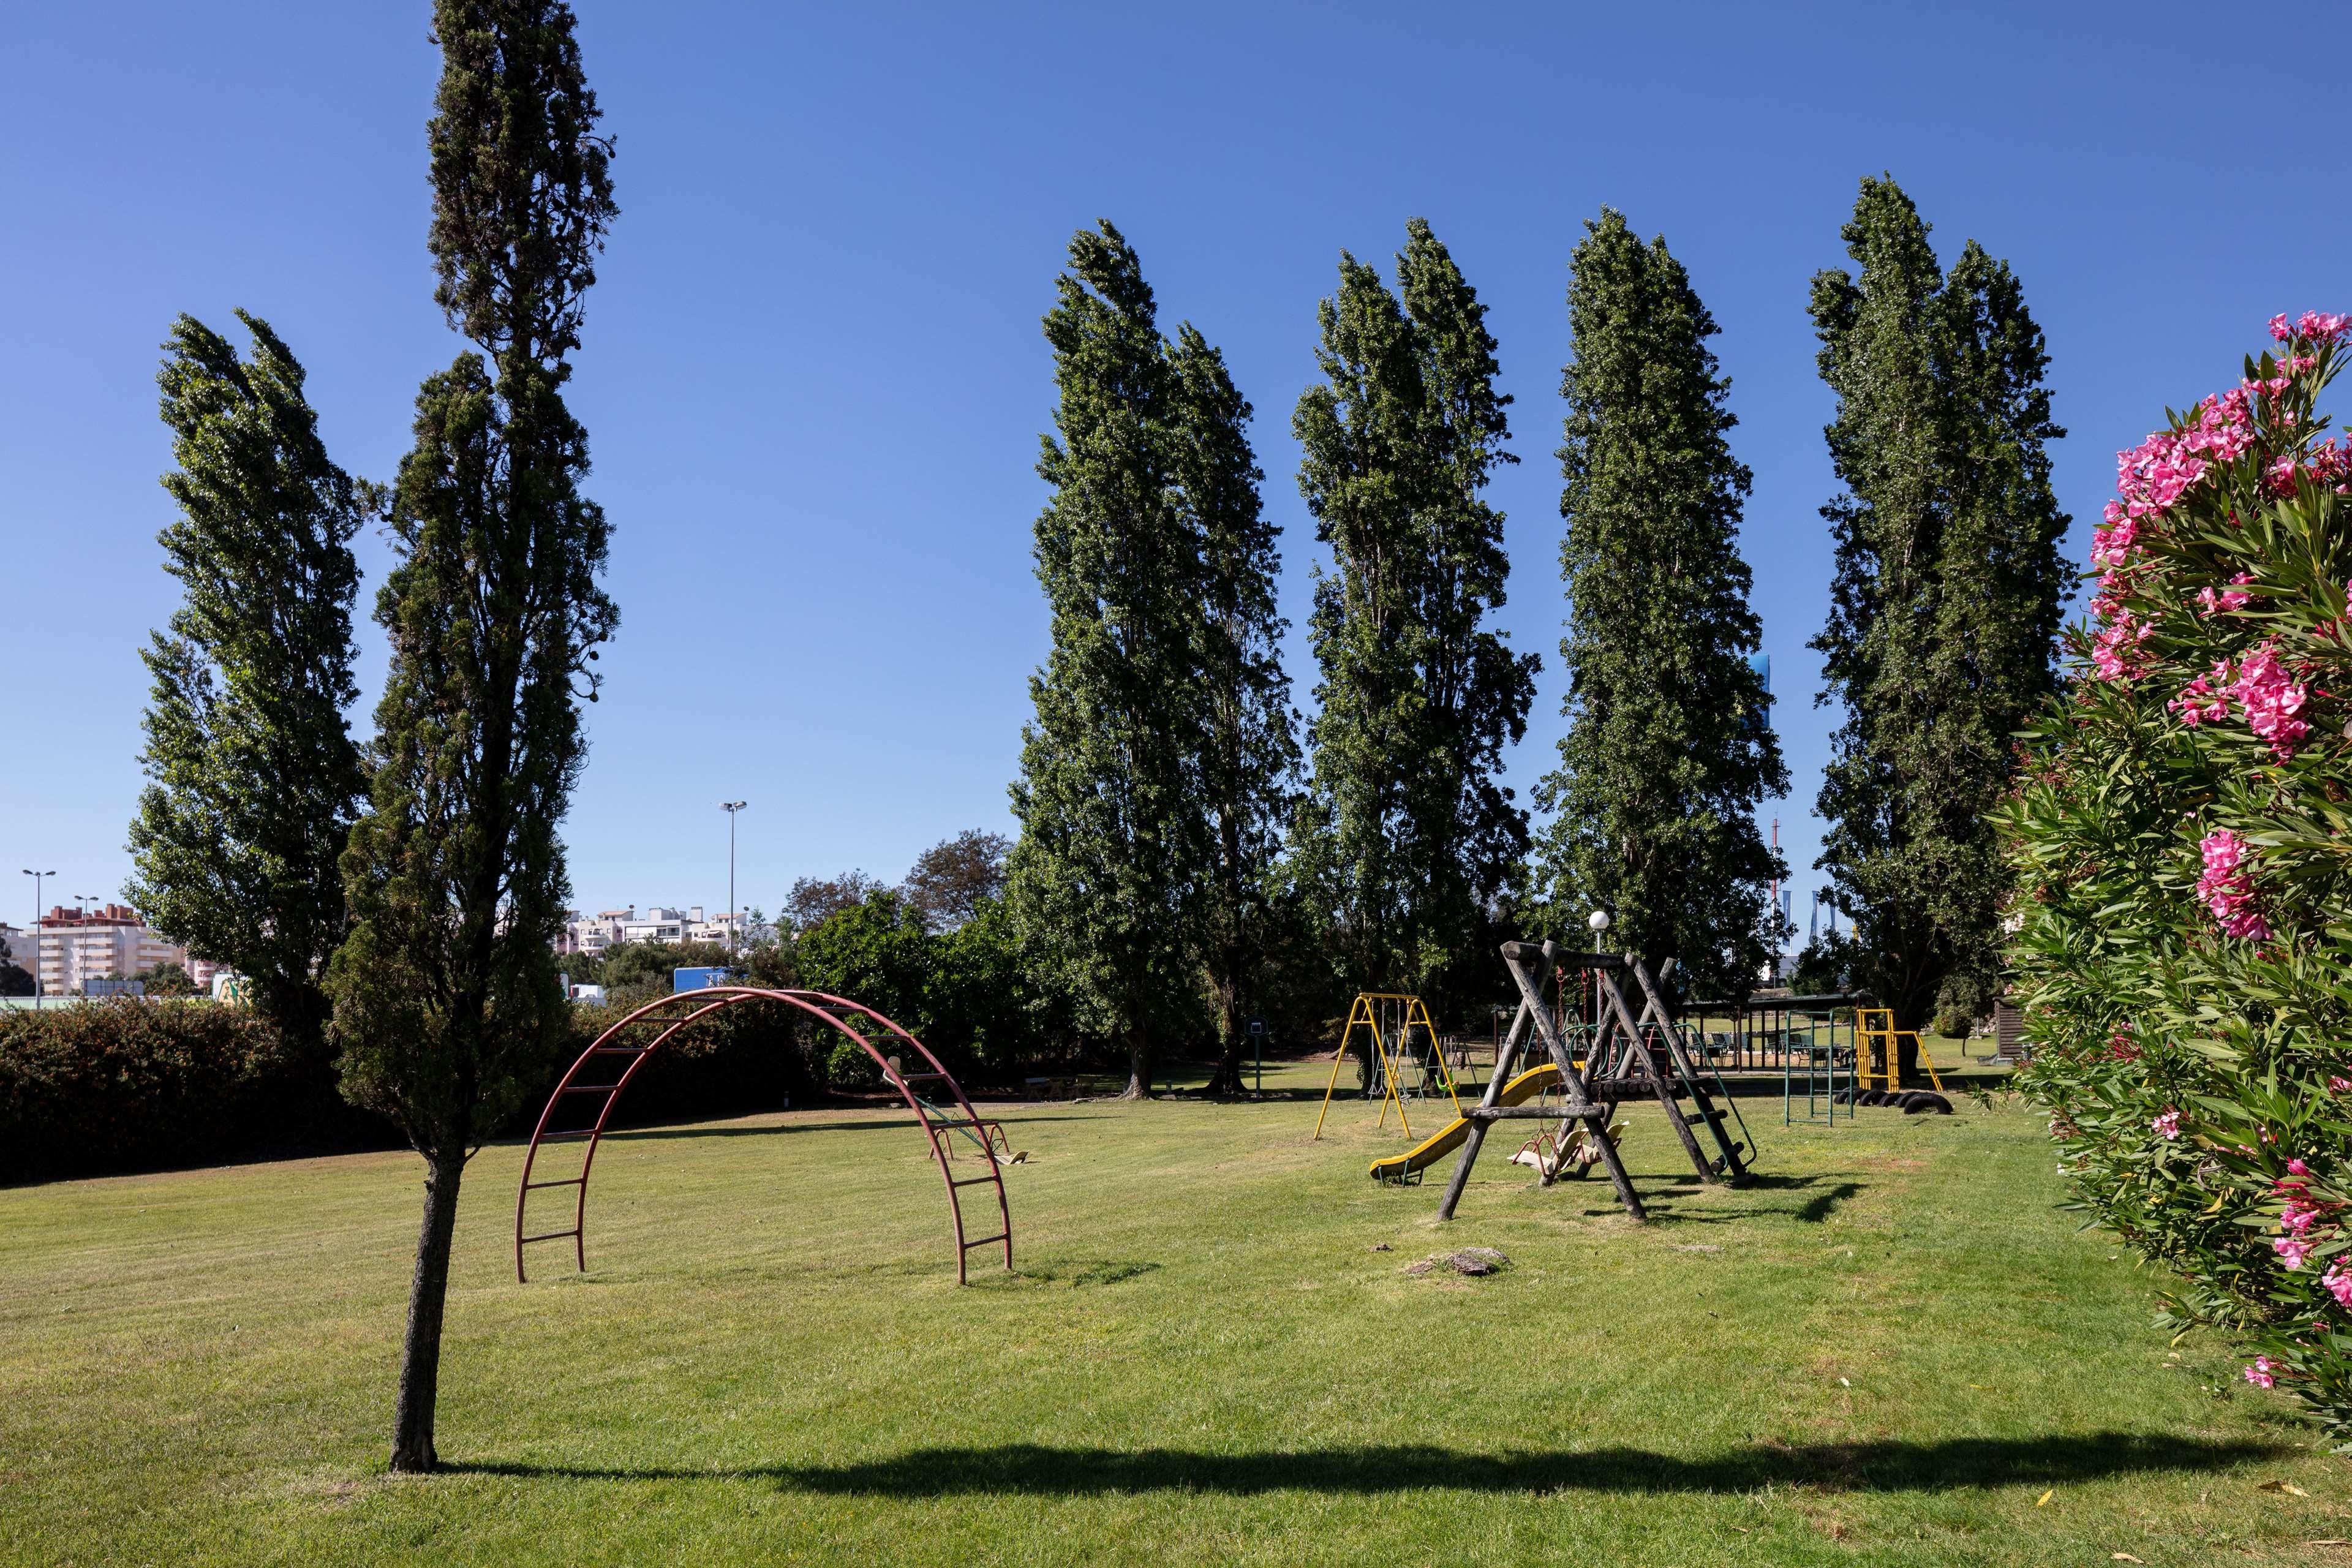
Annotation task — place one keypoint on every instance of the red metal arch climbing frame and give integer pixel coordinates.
(664, 1018)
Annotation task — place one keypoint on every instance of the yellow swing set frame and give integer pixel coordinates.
(1390, 1018)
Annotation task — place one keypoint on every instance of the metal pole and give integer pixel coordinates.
(37, 877)
(734, 943)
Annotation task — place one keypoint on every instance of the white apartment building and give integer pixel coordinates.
(609, 927)
(81, 945)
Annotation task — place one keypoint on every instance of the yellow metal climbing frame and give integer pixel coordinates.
(1875, 1038)
(1388, 1019)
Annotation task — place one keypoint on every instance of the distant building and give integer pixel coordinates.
(594, 934)
(79, 946)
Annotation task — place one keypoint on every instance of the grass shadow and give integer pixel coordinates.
(1881, 1466)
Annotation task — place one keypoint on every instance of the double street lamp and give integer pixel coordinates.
(730, 807)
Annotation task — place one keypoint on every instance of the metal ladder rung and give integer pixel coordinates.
(588, 1089)
(972, 1182)
(551, 1236)
(620, 1050)
(571, 1137)
(983, 1241)
(567, 1182)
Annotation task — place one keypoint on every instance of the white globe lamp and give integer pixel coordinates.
(1599, 921)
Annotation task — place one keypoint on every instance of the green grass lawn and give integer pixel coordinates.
(1886, 1350)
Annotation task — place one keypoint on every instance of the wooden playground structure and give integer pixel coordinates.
(1579, 1074)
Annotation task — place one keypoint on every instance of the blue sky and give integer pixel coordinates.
(813, 372)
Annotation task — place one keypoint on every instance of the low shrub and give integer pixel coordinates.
(2182, 934)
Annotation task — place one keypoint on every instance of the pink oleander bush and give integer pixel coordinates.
(2182, 941)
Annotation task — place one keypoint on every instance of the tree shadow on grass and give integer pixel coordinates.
(1033, 1470)
(1664, 1200)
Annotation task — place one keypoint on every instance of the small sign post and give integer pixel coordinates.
(1257, 1045)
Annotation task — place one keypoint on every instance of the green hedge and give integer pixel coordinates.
(130, 1084)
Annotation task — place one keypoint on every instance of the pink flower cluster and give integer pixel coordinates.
(2226, 601)
(2114, 651)
(2263, 1374)
(2199, 703)
(2271, 698)
(2297, 1216)
(2166, 1125)
(2121, 1046)
(2154, 474)
(2325, 465)
(2313, 326)
(2338, 1085)
(2338, 1284)
(2226, 886)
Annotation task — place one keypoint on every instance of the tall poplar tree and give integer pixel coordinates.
(1248, 760)
(1941, 638)
(446, 999)
(1670, 747)
(1414, 833)
(1104, 881)
(254, 776)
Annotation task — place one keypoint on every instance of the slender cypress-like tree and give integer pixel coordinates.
(1248, 760)
(1418, 696)
(254, 776)
(1670, 747)
(446, 1001)
(1105, 878)
(1944, 613)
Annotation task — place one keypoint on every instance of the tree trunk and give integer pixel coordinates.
(1228, 1076)
(428, 1291)
(1139, 1064)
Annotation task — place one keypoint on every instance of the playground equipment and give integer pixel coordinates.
(587, 1097)
(1550, 1153)
(1811, 1056)
(1877, 1042)
(1626, 1056)
(1406, 1060)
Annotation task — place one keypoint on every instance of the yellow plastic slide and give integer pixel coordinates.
(1447, 1139)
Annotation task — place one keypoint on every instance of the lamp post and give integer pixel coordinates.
(37, 877)
(730, 807)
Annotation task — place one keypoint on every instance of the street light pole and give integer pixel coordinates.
(37, 877)
(730, 807)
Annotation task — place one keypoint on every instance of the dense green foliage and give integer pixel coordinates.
(1941, 642)
(949, 883)
(1246, 765)
(964, 992)
(446, 998)
(254, 778)
(1156, 765)
(2183, 939)
(166, 980)
(1670, 747)
(132, 1085)
(1409, 837)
